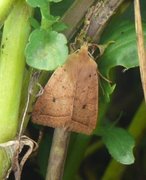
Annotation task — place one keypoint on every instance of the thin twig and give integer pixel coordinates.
(24, 115)
(74, 16)
(103, 12)
(58, 154)
(140, 45)
(33, 81)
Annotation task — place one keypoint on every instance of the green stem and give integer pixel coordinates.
(93, 148)
(12, 63)
(5, 8)
(137, 129)
(45, 12)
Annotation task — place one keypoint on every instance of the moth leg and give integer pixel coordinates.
(41, 91)
(68, 125)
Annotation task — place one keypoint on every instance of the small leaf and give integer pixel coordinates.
(34, 23)
(55, 1)
(51, 19)
(119, 142)
(37, 3)
(46, 50)
(59, 26)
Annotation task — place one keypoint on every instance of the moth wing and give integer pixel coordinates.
(85, 106)
(70, 96)
(54, 107)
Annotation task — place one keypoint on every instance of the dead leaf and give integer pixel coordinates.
(70, 97)
(13, 149)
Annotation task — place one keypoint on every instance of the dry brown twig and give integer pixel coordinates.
(140, 45)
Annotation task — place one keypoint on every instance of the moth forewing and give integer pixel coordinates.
(70, 97)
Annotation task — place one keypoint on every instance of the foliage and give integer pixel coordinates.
(121, 53)
(119, 143)
(46, 49)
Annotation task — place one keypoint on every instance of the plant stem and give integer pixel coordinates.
(78, 144)
(58, 154)
(12, 64)
(74, 16)
(105, 10)
(140, 44)
(45, 11)
(5, 9)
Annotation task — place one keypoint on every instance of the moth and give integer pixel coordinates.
(70, 98)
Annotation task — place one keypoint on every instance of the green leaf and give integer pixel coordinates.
(52, 19)
(119, 142)
(37, 3)
(121, 53)
(46, 50)
(34, 23)
(59, 26)
(40, 3)
(124, 51)
(55, 1)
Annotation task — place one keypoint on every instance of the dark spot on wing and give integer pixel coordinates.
(84, 106)
(54, 100)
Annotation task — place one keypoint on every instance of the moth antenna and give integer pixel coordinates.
(72, 47)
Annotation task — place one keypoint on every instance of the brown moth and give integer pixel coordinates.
(70, 97)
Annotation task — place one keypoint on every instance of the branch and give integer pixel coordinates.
(5, 9)
(58, 154)
(12, 64)
(140, 45)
